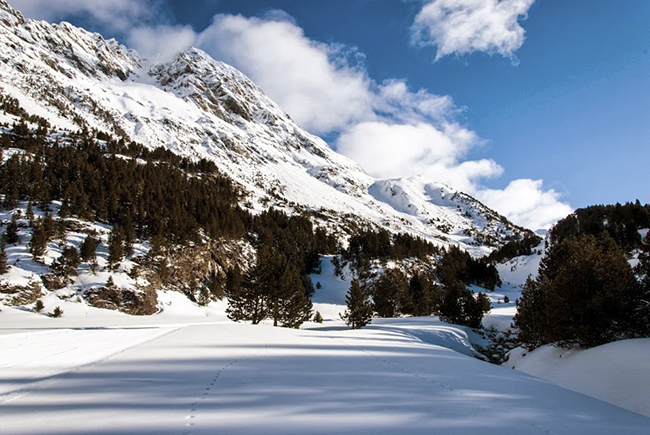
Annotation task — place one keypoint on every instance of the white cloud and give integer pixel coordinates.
(115, 14)
(399, 150)
(161, 42)
(396, 100)
(312, 81)
(465, 26)
(526, 203)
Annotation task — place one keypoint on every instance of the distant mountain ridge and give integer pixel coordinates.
(202, 108)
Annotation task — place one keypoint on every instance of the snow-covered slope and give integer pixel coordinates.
(167, 375)
(614, 372)
(202, 108)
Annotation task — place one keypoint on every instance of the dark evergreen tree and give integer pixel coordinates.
(66, 265)
(110, 283)
(234, 280)
(359, 309)
(458, 265)
(61, 231)
(294, 303)
(388, 294)
(460, 306)
(216, 288)
(256, 299)
(30, 214)
(515, 248)
(249, 301)
(420, 287)
(620, 221)
(38, 242)
(585, 294)
(39, 306)
(58, 312)
(4, 267)
(484, 302)
(11, 232)
(88, 249)
(49, 225)
(115, 247)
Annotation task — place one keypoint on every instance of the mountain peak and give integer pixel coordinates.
(9, 16)
(199, 107)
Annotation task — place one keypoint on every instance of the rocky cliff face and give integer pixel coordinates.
(201, 108)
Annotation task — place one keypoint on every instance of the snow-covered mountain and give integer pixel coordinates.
(201, 108)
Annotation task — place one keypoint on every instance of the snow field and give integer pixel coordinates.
(615, 372)
(225, 378)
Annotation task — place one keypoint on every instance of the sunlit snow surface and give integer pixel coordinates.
(191, 371)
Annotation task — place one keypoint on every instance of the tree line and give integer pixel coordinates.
(169, 200)
(586, 292)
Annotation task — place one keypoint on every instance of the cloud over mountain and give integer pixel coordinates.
(465, 26)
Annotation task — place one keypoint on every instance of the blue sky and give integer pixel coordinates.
(533, 106)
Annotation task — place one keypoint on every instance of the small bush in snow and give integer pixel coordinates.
(57, 312)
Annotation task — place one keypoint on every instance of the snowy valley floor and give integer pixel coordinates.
(174, 374)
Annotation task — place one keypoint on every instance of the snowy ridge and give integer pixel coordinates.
(449, 211)
(201, 108)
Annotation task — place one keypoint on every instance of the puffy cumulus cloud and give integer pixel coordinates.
(117, 15)
(394, 99)
(314, 82)
(465, 26)
(526, 203)
(399, 150)
(161, 42)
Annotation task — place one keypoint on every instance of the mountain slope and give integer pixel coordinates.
(202, 108)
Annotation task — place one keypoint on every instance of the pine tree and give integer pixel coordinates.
(460, 307)
(295, 305)
(234, 280)
(39, 306)
(49, 225)
(30, 214)
(88, 249)
(61, 231)
(484, 302)
(359, 310)
(38, 243)
(110, 284)
(58, 312)
(250, 301)
(66, 265)
(274, 289)
(11, 232)
(420, 287)
(388, 294)
(585, 294)
(4, 268)
(115, 247)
